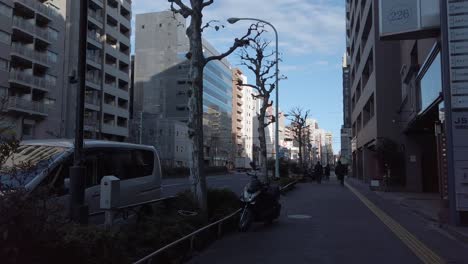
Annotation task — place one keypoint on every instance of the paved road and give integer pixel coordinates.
(323, 223)
(234, 182)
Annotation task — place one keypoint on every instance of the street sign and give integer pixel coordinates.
(401, 19)
(457, 22)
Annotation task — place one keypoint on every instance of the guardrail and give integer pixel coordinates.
(288, 186)
(123, 209)
(148, 259)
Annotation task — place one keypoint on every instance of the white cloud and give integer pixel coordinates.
(304, 26)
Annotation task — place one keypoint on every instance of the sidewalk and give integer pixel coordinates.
(425, 205)
(323, 223)
(416, 213)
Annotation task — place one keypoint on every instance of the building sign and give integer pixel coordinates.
(353, 144)
(400, 18)
(458, 45)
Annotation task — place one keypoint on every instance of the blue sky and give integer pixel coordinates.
(312, 43)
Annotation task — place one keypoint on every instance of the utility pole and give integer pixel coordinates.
(78, 209)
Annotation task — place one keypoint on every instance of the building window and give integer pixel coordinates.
(52, 56)
(430, 84)
(3, 65)
(5, 10)
(5, 37)
(53, 34)
(368, 110)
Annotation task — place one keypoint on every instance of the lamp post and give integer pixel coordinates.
(233, 20)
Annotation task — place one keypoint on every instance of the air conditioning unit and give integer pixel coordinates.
(408, 19)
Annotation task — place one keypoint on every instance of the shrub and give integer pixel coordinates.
(221, 202)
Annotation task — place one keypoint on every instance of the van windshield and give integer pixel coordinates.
(27, 162)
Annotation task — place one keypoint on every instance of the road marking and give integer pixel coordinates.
(425, 254)
(299, 216)
(175, 184)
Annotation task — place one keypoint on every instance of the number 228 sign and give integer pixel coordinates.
(399, 15)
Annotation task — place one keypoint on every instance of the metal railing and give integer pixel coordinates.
(23, 24)
(122, 209)
(39, 7)
(94, 36)
(96, 15)
(23, 104)
(31, 28)
(38, 82)
(148, 259)
(94, 57)
(31, 53)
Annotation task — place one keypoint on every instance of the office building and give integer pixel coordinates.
(162, 83)
(374, 74)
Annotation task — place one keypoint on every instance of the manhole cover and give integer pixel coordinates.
(299, 216)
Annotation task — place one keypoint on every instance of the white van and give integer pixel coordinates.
(48, 162)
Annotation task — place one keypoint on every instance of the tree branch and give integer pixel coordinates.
(242, 42)
(207, 3)
(184, 10)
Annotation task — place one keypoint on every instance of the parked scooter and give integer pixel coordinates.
(260, 203)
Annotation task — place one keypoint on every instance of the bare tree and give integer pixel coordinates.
(198, 61)
(261, 62)
(299, 126)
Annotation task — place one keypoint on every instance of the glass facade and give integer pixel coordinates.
(217, 108)
(431, 84)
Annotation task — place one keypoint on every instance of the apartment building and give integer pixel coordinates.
(31, 67)
(242, 119)
(374, 74)
(107, 98)
(162, 82)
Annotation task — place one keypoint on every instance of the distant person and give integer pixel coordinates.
(318, 171)
(327, 172)
(340, 171)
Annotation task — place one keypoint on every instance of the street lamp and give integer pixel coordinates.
(233, 20)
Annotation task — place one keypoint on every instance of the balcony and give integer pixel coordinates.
(96, 17)
(28, 80)
(29, 53)
(40, 8)
(91, 124)
(24, 25)
(92, 100)
(93, 81)
(95, 38)
(20, 105)
(43, 34)
(95, 59)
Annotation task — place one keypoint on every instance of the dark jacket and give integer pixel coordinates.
(318, 170)
(340, 170)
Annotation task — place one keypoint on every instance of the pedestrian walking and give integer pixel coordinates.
(340, 171)
(318, 171)
(327, 172)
